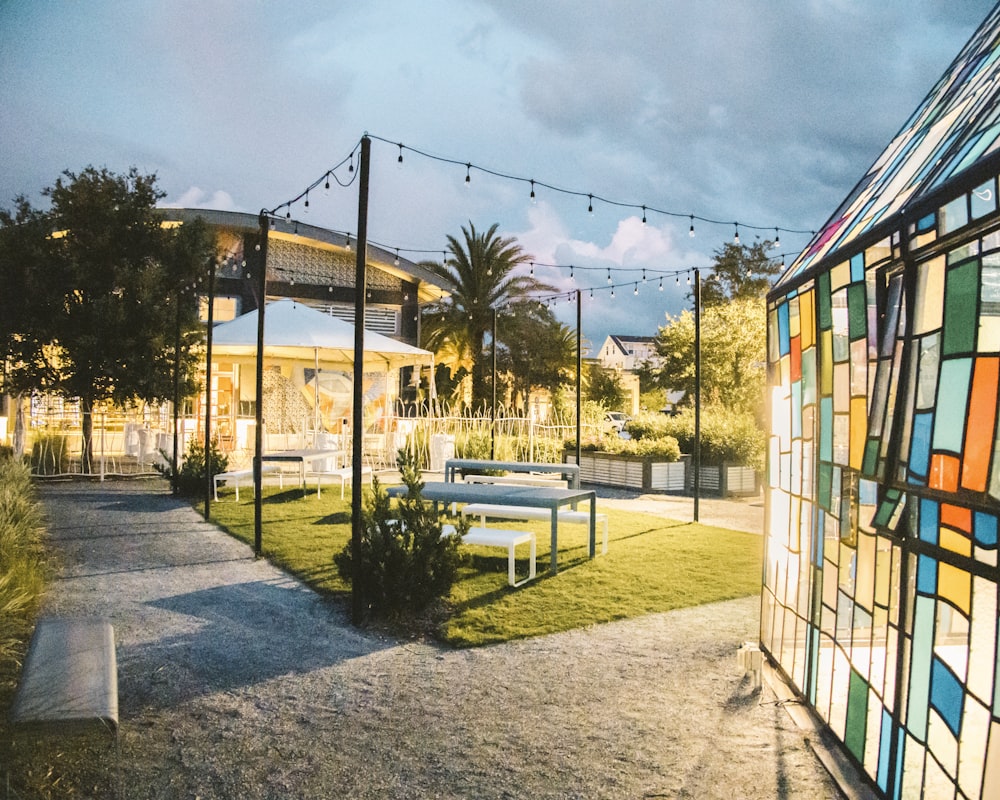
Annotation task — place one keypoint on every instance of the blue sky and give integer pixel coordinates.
(762, 112)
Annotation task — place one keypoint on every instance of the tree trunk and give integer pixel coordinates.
(87, 449)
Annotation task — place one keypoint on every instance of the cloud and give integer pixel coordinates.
(195, 197)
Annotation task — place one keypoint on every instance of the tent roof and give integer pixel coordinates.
(296, 331)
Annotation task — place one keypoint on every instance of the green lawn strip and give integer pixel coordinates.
(653, 564)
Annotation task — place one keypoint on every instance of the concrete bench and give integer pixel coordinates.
(344, 475)
(238, 475)
(69, 680)
(497, 537)
(484, 510)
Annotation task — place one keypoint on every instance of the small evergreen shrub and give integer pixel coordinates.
(404, 563)
(192, 474)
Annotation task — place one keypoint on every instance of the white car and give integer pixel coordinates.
(617, 420)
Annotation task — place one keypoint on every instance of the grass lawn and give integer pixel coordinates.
(653, 564)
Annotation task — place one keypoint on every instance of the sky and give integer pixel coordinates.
(759, 114)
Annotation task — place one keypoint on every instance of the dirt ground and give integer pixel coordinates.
(236, 681)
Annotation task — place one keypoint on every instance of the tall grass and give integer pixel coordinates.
(21, 555)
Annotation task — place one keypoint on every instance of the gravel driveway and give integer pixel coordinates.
(236, 681)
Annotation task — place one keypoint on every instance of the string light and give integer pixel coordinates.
(777, 240)
(643, 274)
(326, 186)
(609, 274)
(396, 260)
(532, 196)
(307, 201)
(643, 208)
(635, 291)
(571, 272)
(736, 238)
(660, 287)
(348, 243)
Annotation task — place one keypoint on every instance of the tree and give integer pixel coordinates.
(112, 293)
(733, 342)
(604, 387)
(739, 271)
(478, 276)
(538, 351)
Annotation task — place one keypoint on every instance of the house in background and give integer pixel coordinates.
(624, 355)
(880, 592)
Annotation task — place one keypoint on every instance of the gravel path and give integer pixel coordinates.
(236, 681)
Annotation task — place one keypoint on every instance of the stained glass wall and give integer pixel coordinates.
(881, 581)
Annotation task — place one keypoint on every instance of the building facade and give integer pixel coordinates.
(880, 596)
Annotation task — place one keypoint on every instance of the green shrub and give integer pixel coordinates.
(726, 436)
(404, 563)
(50, 454)
(192, 474)
(21, 554)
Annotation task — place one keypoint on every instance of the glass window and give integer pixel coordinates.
(954, 215)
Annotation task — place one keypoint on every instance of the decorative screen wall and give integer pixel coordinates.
(880, 598)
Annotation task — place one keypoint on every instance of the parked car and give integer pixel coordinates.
(617, 420)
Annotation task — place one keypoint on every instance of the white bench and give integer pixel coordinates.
(344, 474)
(484, 510)
(497, 537)
(516, 479)
(242, 474)
(70, 676)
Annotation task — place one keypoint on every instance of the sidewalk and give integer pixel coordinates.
(238, 681)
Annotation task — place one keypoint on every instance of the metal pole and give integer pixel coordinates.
(493, 408)
(358, 430)
(579, 373)
(697, 390)
(208, 387)
(258, 508)
(177, 390)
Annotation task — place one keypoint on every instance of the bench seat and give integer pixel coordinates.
(498, 537)
(484, 510)
(238, 475)
(344, 475)
(69, 679)
(517, 480)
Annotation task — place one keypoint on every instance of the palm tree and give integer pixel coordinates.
(478, 276)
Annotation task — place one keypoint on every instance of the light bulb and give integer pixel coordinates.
(644, 215)
(532, 196)
(306, 206)
(590, 204)
(736, 238)
(635, 291)
(609, 274)
(660, 287)
(396, 260)
(399, 161)
(691, 229)
(326, 186)
(467, 178)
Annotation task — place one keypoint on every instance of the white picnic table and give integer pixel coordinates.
(301, 457)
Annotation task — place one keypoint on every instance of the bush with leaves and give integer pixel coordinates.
(404, 562)
(729, 437)
(192, 474)
(22, 565)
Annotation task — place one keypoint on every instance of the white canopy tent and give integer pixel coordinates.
(296, 333)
